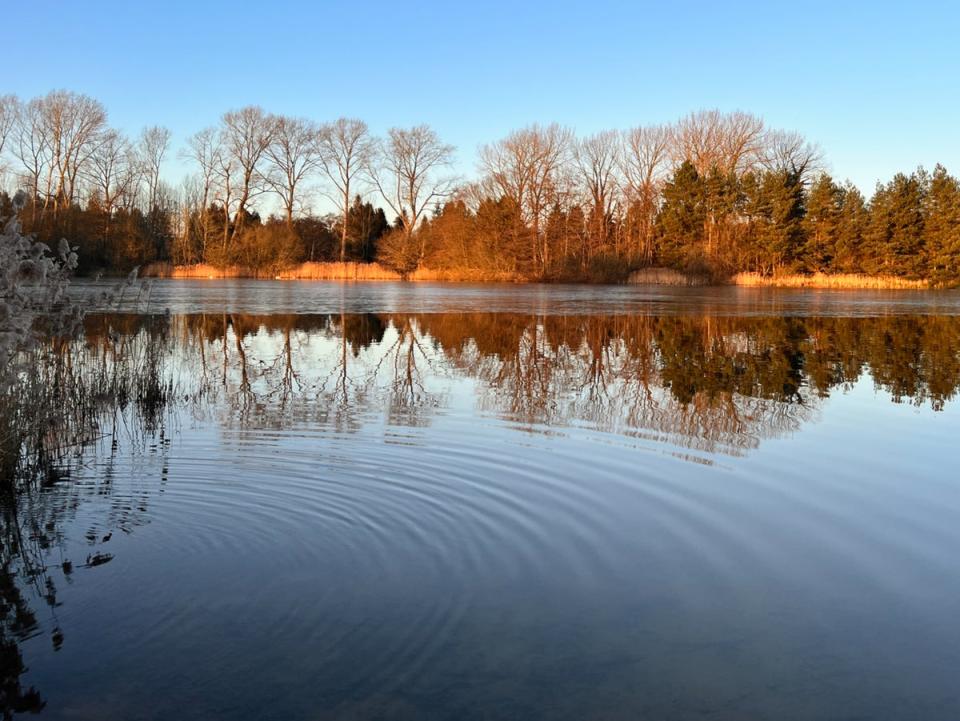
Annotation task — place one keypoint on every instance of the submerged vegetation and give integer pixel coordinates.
(712, 195)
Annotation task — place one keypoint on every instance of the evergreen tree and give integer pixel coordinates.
(822, 225)
(894, 240)
(365, 226)
(682, 216)
(777, 209)
(942, 227)
(851, 226)
(723, 199)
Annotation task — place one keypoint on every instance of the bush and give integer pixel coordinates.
(33, 306)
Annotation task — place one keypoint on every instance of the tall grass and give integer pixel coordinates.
(53, 392)
(598, 272)
(72, 397)
(464, 275)
(339, 271)
(667, 276)
(328, 271)
(840, 281)
(198, 270)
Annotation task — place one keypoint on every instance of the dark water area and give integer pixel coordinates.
(388, 501)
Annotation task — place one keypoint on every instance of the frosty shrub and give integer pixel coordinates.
(33, 293)
(42, 399)
(34, 307)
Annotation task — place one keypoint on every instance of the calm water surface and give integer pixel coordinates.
(389, 501)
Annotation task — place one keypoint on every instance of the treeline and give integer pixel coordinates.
(715, 193)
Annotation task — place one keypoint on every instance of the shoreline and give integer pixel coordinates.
(372, 272)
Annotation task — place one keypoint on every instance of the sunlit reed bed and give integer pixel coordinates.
(849, 281)
(666, 276)
(327, 271)
(645, 276)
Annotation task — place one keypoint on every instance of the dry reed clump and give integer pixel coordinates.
(47, 405)
(464, 275)
(666, 276)
(848, 281)
(199, 270)
(338, 271)
(328, 271)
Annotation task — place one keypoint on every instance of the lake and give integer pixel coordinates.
(417, 501)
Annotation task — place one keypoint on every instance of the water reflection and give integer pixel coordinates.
(713, 384)
(312, 456)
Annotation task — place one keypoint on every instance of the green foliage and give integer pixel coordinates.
(714, 223)
(821, 224)
(682, 216)
(365, 226)
(775, 202)
(851, 226)
(942, 227)
(894, 238)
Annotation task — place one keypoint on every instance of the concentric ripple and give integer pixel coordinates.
(399, 528)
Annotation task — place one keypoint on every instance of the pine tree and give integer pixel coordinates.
(894, 240)
(682, 216)
(942, 227)
(851, 226)
(822, 225)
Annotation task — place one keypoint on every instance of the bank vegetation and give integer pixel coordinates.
(718, 195)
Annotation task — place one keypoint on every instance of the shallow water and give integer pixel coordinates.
(543, 502)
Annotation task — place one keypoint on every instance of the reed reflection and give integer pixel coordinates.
(116, 388)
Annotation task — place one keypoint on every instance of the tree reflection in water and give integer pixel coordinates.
(711, 384)
(697, 385)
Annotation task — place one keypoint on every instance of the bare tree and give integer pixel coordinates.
(598, 161)
(728, 142)
(9, 109)
(785, 150)
(112, 175)
(30, 148)
(204, 149)
(646, 151)
(292, 156)
(346, 150)
(246, 135)
(73, 125)
(408, 172)
(525, 166)
(153, 145)
(112, 170)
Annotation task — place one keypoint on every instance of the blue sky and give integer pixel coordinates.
(876, 84)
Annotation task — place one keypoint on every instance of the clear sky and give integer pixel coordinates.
(876, 84)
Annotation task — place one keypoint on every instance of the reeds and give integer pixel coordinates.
(840, 281)
(198, 270)
(54, 393)
(337, 271)
(329, 271)
(72, 394)
(464, 275)
(645, 276)
(667, 276)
